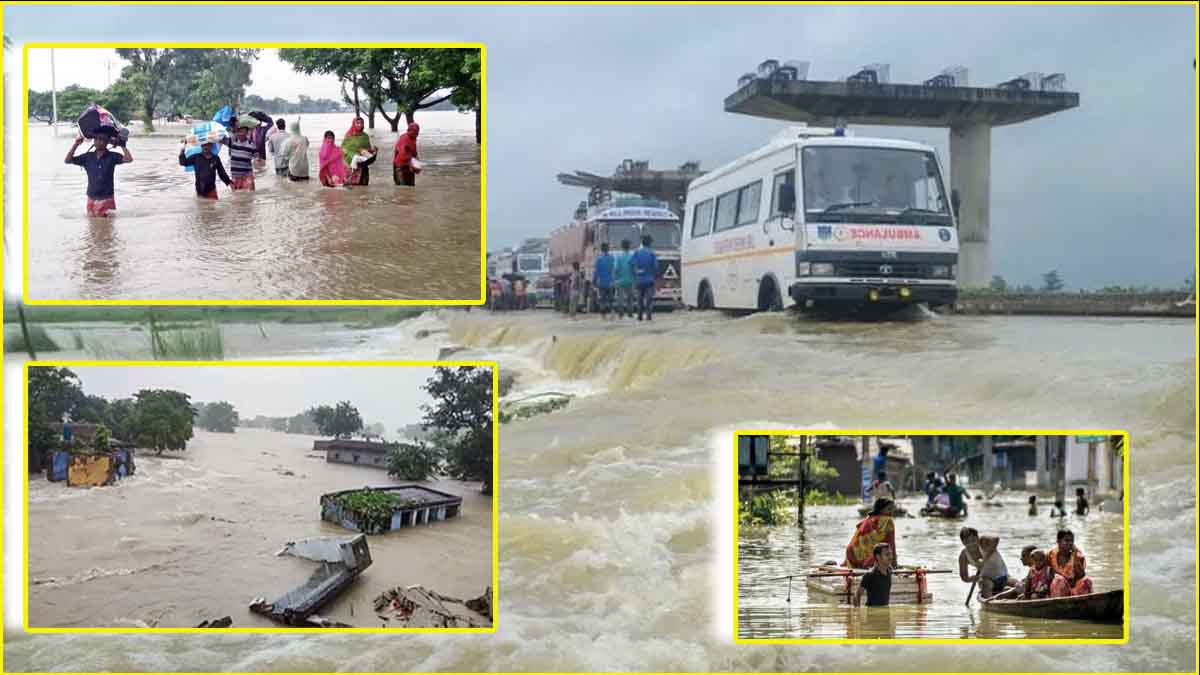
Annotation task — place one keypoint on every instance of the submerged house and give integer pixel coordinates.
(366, 453)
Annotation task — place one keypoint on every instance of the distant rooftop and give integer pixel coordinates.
(910, 105)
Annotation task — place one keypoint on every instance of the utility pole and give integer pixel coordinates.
(53, 95)
(108, 70)
(802, 476)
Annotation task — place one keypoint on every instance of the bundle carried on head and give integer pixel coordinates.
(97, 120)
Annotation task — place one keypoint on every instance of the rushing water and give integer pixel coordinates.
(283, 241)
(615, 533)
(193, 537)
(766, 553)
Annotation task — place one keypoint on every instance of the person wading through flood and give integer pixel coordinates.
(295, 153)
(877, 583)
(100, 166)
(877, 528)
(602, 276)
(241, 155)
(645, 266)
(404, 172)
(208, 168)
(333, 169)
(625, 280)
(275, 142)
(358, 153)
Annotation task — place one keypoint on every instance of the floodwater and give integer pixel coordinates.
(767, 552)
(284, 241)
(615, 528)
(192, 536)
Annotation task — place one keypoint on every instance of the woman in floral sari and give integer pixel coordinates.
(1070, 568)
(357, 140)
(878, 527)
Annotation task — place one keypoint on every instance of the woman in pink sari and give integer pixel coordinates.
(333, 169)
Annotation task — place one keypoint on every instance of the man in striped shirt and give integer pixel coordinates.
(241, 157)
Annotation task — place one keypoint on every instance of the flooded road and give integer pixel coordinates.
(615, 512)
(767, 552)
(193, 537)
(284, 241)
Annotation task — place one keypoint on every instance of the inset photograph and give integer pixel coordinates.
(916, 537)
(260, 498)
(273, 174)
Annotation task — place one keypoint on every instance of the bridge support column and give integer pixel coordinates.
(970, 174)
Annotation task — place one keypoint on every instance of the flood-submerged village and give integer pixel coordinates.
(370, 500)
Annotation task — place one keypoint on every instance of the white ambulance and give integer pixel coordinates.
(817, 219)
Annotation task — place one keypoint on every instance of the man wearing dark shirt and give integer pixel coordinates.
(208, 167)
(877, 583)
(99, 166)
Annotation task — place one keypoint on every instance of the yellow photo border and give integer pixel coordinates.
(260, 303)
(941, 641)
(284, 364)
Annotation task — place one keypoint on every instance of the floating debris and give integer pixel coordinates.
(342, 560)
(419, 607)
(223, 622)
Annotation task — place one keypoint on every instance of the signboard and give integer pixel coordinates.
(1091, 439)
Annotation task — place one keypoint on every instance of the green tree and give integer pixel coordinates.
(998, 284)
(162, 419)
(1051, 282)
(120, 418)
(349, 65)
(172, 79)
(52, 393)
(463, 67)
(412, 461)
(341, 421)
(461, 414)
(100, 442)
(152, 70)
(219, 417)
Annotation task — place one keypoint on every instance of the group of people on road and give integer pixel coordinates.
(621, 285)
(340, 166)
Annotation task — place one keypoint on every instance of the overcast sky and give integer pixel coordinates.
(269, 77)
(1104, 193)
(388, 394)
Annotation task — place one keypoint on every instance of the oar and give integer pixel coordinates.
(976, 580)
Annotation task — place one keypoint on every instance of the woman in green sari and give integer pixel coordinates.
(357, 161)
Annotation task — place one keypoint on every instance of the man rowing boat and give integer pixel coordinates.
(878, 527)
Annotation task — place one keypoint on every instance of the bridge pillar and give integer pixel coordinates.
(970, 174)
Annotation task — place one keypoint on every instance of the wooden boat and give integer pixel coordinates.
(897, 510)
(834, 583)
(1099, 607)
(934, 513)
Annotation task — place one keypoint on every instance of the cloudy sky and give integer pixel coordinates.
(388, 394)
(1104, 193)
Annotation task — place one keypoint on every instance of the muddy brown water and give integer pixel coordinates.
(284, 241)
(193, 537)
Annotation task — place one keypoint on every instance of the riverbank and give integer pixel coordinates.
(1171, 304)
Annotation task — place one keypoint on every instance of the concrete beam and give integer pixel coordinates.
(903, 105)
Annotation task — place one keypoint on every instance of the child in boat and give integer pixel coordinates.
(1033, 505)
(993, 573)
(882, 487)
(1081, 502)
(877, 583)
(1070, 568)
(1037, 582)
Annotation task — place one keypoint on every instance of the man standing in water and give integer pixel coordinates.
(276, 141)
(602, 276)
(99, 166)
(877, 583)
(645, 267)
(241, 156)
(625, 280)
(208, 167)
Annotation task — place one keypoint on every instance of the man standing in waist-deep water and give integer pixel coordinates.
(208, 167)
(100, 166)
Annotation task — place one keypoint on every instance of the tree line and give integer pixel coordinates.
(157, 419)
(171, 82)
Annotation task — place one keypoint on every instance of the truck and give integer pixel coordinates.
(819, 219)
(612, 221)
(527, 262)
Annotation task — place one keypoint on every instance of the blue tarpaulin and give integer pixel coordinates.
(58, 465)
